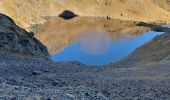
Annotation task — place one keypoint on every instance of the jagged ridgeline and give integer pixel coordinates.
(27, 12)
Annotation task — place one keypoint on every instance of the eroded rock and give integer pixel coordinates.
(15, 39)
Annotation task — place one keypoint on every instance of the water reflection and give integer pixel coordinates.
(58, 33)
(94, 42)
(91, 41)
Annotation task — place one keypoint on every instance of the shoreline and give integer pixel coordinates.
(121, 80)
(144, 74)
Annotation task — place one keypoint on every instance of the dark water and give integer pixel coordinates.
(92, 42)
(100, 49)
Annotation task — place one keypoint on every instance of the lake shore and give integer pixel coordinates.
(28, 78)
(144, 74)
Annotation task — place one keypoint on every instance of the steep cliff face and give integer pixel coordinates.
(14, 39)
(27, 12)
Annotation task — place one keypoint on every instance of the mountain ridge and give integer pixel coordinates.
(29, 12)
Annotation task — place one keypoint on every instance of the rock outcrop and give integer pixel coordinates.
(17, 40)
(67, 15)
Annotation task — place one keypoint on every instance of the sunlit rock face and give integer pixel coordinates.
(31, 12)
(58, 33)
(165, 4)
(16, 40)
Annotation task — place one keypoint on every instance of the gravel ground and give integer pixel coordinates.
(23, 78)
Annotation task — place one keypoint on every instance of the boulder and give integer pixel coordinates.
(67, 15)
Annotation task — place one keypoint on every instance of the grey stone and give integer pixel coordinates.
(15, 39)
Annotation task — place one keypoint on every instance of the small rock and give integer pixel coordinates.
(15, 81)
(55, 83)
(59, 84)
(36, 73)
(87, 94)
(70, 95)
(67, 15)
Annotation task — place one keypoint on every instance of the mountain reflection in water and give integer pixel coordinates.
(91, 41)
(94, 43)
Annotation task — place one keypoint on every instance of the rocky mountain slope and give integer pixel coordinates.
(14, 39)
(27, 12)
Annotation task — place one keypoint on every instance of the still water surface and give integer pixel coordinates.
(92, 42)
(100, 49)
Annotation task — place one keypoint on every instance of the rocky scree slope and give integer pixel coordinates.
(135, 10)
(15, 39)
(15, 69)
(39, 79)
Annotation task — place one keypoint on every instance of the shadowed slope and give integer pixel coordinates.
(16, 40)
